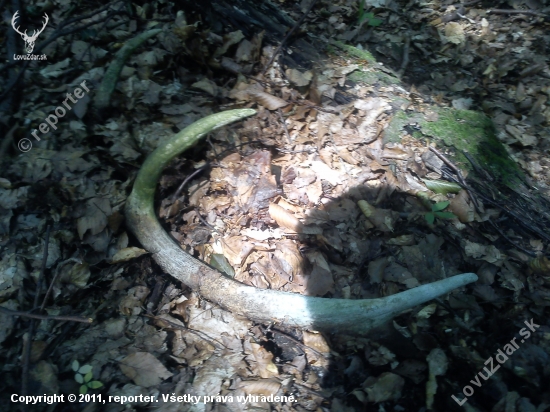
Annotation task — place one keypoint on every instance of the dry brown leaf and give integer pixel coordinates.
(383, 219)
(298, 78)
(320, 280)
(95, 219)
(236, 249)
(462, 208)
(77, 275)
(267, 100)
(264, 387)
(403, 240)
(438, 363)
(285, 219)
(316, 341)
(346, 155)
(540, 265)
(144, 369)
(264, 361)
(208, 86)
(127, 254)
(386, 387)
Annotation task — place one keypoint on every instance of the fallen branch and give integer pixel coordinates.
(290, 33)
(61, 318)
(261, 305)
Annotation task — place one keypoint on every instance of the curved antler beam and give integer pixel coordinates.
(261, 305)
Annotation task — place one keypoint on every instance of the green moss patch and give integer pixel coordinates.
(462, 131)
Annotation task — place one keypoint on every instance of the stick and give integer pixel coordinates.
(298, 24)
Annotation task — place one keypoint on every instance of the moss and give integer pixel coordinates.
(371, 77)
(392, 134)
(463, 131)
(368, 77)
(355, 52)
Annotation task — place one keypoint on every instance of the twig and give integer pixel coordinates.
(30, 315)
(298, 24)
(155, 297)
(284, 125)
(405, 61)
(528, 252)
(43, 268)
(463, 184)
(459, 175)
(203, 220)
(26, 358)
(187, 179)
(477, 168)
(52, 283)
(91, 14)
(313, 106)
(528, 12)
(515, 216)
(273, 329)
(176, 326)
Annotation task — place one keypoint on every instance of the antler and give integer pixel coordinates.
(17, 28)
(36, 33)
(263, 305)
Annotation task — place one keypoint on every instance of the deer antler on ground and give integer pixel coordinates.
(261, 305)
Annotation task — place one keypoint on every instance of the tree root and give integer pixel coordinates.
(261, 305)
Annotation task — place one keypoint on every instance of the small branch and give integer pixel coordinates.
(459, 175)
(527, 252)
(298, 24)
(527, 12)
(29, 315)
(405, 61)
(26, 358)
(284, 125)
(203, 220)
(43, 268)
(52, 283)
(470, 191)
(187, 179)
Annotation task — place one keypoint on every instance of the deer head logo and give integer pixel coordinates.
(29, 40)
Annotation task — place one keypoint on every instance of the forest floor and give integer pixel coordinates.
(335, 125)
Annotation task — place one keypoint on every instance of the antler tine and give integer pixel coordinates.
(35, 33)
(15, 17)
(47, 19)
